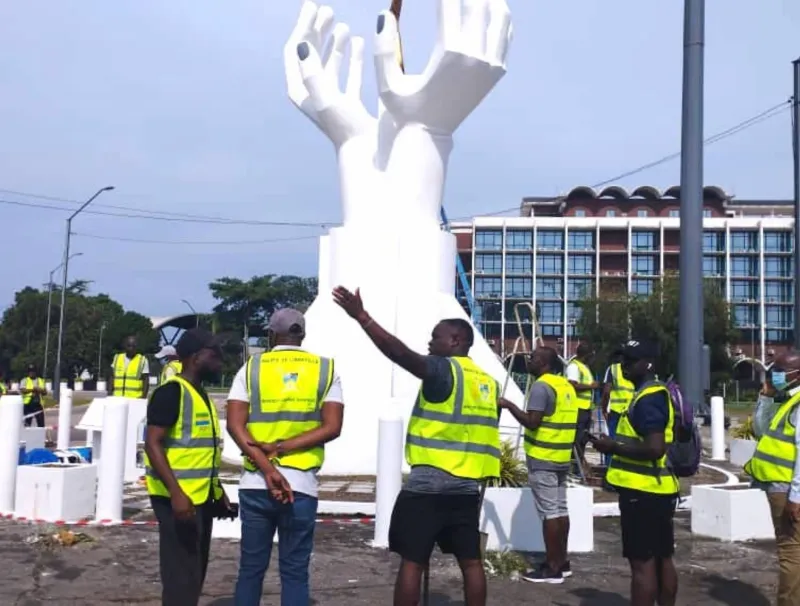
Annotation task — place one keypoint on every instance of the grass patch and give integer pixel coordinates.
(505, 564)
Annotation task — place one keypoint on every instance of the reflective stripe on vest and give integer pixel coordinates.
(286, 389)
(647, 476)
(621, 390)
(776, 451)
(552, 441)
(28, 383)
(460, 435)
(584, 398)
(171, 368)
(192, 447)
(128, 379)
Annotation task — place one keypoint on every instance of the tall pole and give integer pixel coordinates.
(49, 304)
(57, 371)
(796, 146)
(100, 351)
(690, 333)
(194, 311)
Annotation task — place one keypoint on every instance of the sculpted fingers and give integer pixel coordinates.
(499, 32)
(449, 23)
(313, 75)
(303, 30)
(387, 67)
(355, 74)
(322, 27)
(336, 50)
(474, 22)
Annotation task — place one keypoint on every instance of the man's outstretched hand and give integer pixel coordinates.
(350, 302)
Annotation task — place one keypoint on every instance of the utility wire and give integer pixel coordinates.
(194, 242)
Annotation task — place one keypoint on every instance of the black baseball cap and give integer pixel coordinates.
(639, 350)
(194, 340)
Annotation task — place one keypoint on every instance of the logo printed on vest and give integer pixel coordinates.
(485, 390)
(290, 381)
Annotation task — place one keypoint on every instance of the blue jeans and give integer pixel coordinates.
(261, 516)
(613, 421)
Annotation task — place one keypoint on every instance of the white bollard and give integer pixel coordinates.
(90, 439)
(64, 419)
(101, 386)
(112, 465)
(11, 423)
(389, 476)
(717, 428)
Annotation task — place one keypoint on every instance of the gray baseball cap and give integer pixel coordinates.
(284, 320)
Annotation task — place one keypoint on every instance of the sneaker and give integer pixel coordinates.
(543, 575)
(566, 570)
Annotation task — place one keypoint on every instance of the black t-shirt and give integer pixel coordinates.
(165, 404)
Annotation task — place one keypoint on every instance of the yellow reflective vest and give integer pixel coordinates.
(286, 389)
(621, 390)
(776, 451)
(28, 383)
(584, 398)
(646, 476)
(171, 368)
(193, 449)
(128, 381)
(460, 435)
(552, 441)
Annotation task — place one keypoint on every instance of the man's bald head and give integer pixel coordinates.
(788, 360)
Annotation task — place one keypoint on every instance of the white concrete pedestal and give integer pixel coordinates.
(34, 437)
(731, 513)
(510, 520)
(55, 492)
(741, 451)
(230, 529)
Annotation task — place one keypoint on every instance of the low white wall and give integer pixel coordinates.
(509, 518)
(55, 492)
(34, 437)
(741, 451)
(731, 513)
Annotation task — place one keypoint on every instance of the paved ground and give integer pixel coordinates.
(121, 567)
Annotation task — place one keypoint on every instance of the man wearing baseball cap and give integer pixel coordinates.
(648, 490)
(171, 364)
(283, 407)
(183, 448)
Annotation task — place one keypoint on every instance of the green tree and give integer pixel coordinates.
(606, 323)
(24, 325)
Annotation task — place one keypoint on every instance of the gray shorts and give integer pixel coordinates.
(549, 493)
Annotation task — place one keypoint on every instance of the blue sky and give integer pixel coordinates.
(181, 105)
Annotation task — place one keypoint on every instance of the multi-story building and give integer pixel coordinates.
(591, 243)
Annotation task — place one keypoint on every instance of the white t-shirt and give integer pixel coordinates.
(145, 366)
(301, 481)
(573, 373)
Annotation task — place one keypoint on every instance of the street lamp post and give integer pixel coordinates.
(57, 371)
(49, 303)
(194, 311)
(100, 351)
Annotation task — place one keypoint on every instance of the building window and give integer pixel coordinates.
(487, 287)
(744, 267)
(580, 212)
(744, 291)
(713, 241)
(643, 265)
(580, 265)
(779, 336)
(713, 266)
(489, 239)
(550, 312)
(778, 292)
(707, 212)
(549, 265)
(778, 267)
(574, 312)
(552, 330)
(744, 241)
(490, 264)
(674, 212)
(580, 288)
(519, 264)
(549, 288)
(745, 316)
(642, 212)
(487, 311)
(519, 288)
(519, 240)
(779, 316)
(580, 240)
(642, 288)
(777, 242)
(643, 240)
(547, 239)
(610, 212)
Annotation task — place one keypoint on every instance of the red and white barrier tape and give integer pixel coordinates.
(107, 523)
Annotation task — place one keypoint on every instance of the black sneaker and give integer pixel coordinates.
(566, 570)
(543, 575)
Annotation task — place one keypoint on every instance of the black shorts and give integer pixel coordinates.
(647, 525)
(421, 520)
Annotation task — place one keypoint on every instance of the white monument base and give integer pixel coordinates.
(34, 437)
(230, 450)
(55, 492)
(101, 386)
(92, 421)
(78, 385)
(731, 513)
(230, 529)
(509, 518)
(741, 451)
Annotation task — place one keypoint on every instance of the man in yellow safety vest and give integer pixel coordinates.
(130, 372)
(648, 490)
(183, 448)
(33, 390)
(775, 467)
(580, 375)
(453, 444)
(171, 364)
(283, 407)
(617, 396)
(550, 422)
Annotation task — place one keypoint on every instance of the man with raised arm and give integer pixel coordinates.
(453, 444)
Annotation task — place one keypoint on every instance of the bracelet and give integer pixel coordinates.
(368, 324)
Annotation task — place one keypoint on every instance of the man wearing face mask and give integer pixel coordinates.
(775, 468)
